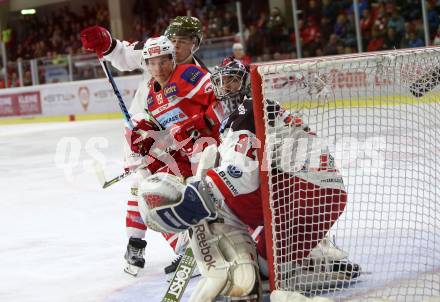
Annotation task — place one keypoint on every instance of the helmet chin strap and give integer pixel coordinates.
(186, 59)
(194, 48)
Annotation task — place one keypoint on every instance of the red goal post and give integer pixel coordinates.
(378, 114)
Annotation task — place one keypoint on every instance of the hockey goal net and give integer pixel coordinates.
(378, 117)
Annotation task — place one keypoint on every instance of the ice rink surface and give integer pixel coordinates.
(63, 236)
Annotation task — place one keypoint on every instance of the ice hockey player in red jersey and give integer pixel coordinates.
(186, 34)
(181, 100)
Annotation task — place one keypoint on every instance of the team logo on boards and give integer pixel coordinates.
(84, 97)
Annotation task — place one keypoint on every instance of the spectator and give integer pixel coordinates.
(238, 53)
(381, 18)
(397, 22)
(255, 42)
(414, 40)
(313, 10)
(309, 32)
(277, 31)
(433, 18)
(27, 78)
(350, 35)
(340, 48)
(230, 21)
(331, 46)
(325, 29)
(391, 40)
(377, 41)
(340, 28)
(329, 10)
(366, 22)
(314, 48)
(436, 40)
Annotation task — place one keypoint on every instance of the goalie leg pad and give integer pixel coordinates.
(135, 226)
(226, 257)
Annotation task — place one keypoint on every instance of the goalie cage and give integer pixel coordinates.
(379, 114)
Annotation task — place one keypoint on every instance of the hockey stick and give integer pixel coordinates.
(187, 265)
(101, 177)
(121, 103)
(181, 277)
(99, 171)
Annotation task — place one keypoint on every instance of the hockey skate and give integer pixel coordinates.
(135, 256)
(170, 269)
(326, 267)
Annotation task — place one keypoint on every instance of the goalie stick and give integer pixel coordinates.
(187, 265)
(181, 277)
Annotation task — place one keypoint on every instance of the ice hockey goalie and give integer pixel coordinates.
(309, 195)
(223, 248)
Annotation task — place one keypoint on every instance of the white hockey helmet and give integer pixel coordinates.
(159, 46)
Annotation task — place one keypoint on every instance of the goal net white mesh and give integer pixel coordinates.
(372, 122)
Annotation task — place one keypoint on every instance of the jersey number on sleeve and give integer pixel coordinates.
(244, 146)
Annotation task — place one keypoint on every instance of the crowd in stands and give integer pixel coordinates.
(329, 27)
(326, 27)
(49, 36)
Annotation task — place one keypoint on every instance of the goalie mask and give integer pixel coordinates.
(229, 82)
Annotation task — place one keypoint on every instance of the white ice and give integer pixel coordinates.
(62, 237)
